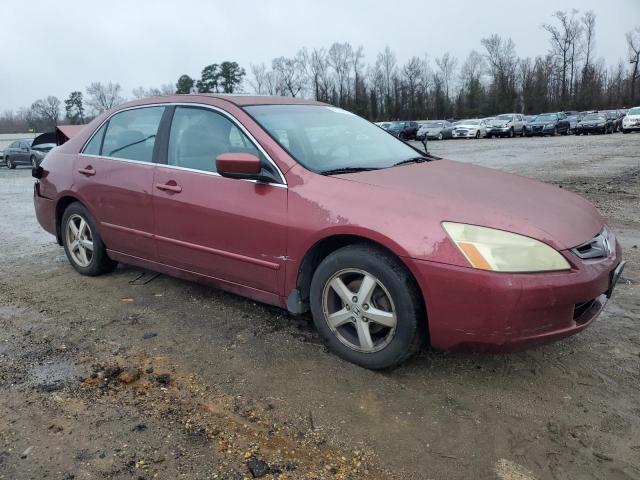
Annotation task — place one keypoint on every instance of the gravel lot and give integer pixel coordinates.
(214, 385)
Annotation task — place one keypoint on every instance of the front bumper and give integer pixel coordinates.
(488, 311)
(540, 130)
(590, 129)
(498, 131)
(631, 126)
(465, 134)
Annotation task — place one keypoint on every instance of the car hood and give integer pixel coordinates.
(552, 122)
(466, 125)
(632, 117)
(499, 123)
(445, 190)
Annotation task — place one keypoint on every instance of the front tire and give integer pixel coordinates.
(367, 307)
(82, 242)
(10, 164)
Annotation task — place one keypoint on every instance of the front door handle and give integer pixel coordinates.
(170, 187)
(88, 171)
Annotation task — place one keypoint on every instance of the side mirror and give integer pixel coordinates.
(240, 165)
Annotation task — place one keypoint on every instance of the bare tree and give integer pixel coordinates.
(633, 45)
(103, 97)
(503, 64)
(589, 38)
(340, 58)
(563, 44)
(289, 76)
(46, 112)
(447, 65)
(164, 90)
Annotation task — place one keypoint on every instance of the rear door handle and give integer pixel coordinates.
(169, 187)
(88, 171)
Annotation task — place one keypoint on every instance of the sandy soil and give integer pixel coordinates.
(100, 378)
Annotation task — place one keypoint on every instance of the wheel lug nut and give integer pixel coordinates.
(365, 306)
(347, 307)
(355, 299)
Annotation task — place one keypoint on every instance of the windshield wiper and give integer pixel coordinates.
(413, 160)
(336, 171)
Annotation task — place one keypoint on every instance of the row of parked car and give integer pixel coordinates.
(510, 125)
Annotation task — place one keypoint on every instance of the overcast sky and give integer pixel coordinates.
(53, 47)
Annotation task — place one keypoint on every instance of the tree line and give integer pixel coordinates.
(491, 79)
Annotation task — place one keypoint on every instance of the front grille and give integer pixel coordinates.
(597, 247)
(580, 308)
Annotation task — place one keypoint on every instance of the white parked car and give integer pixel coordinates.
(632, 120)
(472, 128)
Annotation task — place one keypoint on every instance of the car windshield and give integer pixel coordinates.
(324, 138)
(505, 117)
(593, 116)
(634, 111)
(469, 122)
(546, 118)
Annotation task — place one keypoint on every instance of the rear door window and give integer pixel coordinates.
(200, 135)
(131, 134)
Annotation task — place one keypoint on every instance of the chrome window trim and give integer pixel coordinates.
(234, 120)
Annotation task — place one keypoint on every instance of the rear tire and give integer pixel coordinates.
(85, 249)
(342, 319)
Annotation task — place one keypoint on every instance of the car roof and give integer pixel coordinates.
(242, 100)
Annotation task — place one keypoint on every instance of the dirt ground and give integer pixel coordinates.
(102, 378)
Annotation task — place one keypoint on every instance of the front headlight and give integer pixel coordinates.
(500, 251)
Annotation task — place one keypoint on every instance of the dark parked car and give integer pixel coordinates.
(548, 124)
(595, 123)
(20, 152)
(302, 205)
(404, 130)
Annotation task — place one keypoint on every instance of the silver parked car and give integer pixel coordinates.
(507, 125)
(434, 130)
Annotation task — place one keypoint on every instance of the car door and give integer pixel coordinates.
(23, 153)
(229, 229)
(113, 175)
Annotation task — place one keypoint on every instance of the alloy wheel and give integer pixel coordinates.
(359, 310)
(79, 240)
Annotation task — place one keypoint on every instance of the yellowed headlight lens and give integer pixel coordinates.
(500, 251)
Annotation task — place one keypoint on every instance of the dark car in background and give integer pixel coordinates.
(404, 130)
(615, 118)
(20, 152)
(595, 123)
(548, 124)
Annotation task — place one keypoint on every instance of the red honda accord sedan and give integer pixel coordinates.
(306, 206)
